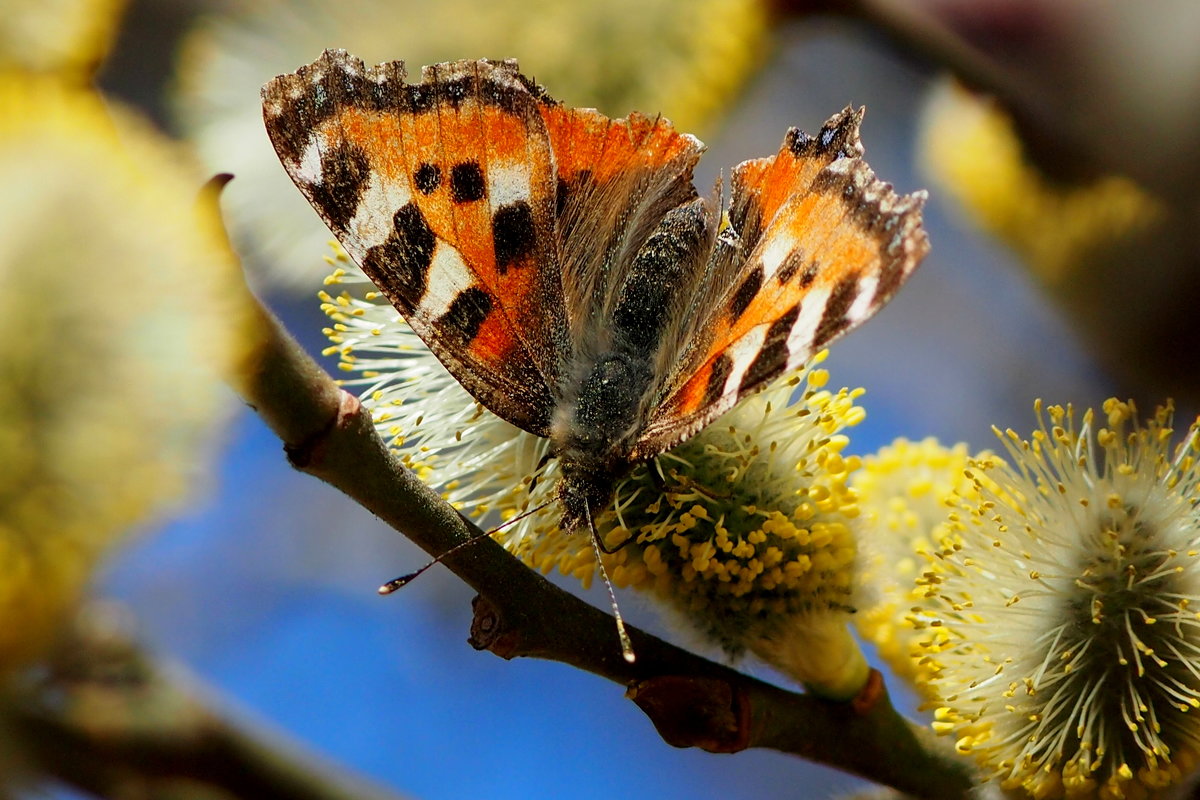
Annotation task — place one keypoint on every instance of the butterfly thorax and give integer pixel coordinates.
(613, 390)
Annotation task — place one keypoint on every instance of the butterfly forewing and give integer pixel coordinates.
(442, 192)
(825, 244)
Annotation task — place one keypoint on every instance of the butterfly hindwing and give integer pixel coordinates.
(443, 192)
(814, 246)
(616, 181)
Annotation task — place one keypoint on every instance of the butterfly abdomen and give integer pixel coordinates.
(664, 270)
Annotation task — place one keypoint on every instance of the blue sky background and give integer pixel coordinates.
(265, 588)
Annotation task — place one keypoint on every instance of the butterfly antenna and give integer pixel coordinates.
(404, 580)
(622, 634)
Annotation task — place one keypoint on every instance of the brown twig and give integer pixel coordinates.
(327, 434)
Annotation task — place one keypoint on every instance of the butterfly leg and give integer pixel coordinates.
(681, 484)
(656, 475)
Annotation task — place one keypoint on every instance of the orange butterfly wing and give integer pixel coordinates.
(443, 192)
(815, 245)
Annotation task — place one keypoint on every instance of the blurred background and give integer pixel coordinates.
(1062, 219)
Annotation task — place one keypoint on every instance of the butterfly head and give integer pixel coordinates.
(581, 495)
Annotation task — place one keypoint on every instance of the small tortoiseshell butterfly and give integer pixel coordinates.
(561, 264)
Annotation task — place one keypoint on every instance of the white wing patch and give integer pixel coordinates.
(812, 311)
(865, 301)
(309, 167)
(448, 276)
(742, 355)
(775, 251)
(372, 223)
(508, 183)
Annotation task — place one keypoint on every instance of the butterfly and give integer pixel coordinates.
(562, 265)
